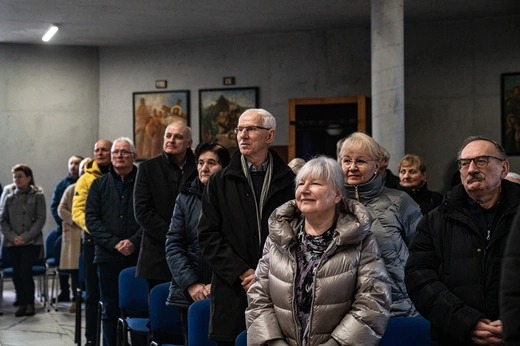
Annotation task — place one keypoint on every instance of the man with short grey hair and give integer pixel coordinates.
(233, 227)
(109, 216)
(453, 271)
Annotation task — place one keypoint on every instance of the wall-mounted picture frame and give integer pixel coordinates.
(153, 112)
(510, 104)
(219, 113)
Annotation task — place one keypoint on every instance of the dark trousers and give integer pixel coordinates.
(91, 290)
(22, 259)
(108, 273)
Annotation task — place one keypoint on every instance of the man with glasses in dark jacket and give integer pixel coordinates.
(233, 227)
(453, 271)
(109, 215)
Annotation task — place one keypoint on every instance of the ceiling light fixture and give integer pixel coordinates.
(50, 32)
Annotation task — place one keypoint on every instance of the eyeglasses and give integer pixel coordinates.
(124, 153)
(357, 163)
(480, 161)
(249, 129)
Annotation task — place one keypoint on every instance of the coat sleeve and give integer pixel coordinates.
(64, 210)
(368, 316)
(55, 201)
(212, 242)
(144, 207)
(410, 215)
(261, 322)
(40, 215)
(510, 290)
(430, 295)
(94, 218)
(181, 268)
(79, 201)
(7, 231)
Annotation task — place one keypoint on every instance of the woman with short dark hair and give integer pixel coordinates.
(191, 275)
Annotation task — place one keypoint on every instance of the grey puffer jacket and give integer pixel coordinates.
(395, 217)
(23, 213)
(352, 289)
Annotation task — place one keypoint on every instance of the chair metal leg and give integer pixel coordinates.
(77, 326)
(98, 331)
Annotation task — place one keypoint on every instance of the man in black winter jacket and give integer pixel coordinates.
(453, 271)
(109, 215)
(233, 227)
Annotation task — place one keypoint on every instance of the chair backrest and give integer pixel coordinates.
(163, 318)
(50, 240)
(81, 268)
(198, 323)
(133, 292)
(39, 267)
(410, 331)
(6, 262)
(241, 339)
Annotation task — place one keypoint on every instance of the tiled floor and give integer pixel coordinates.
(43, 329)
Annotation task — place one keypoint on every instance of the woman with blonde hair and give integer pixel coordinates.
(395, 215)
(412, 180)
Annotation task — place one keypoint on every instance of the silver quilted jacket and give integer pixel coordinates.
(351, 299)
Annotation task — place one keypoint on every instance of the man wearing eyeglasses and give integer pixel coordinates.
(233, 227)
(109, 216)
(453, 271)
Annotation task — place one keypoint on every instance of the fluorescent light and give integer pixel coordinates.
(48, 35)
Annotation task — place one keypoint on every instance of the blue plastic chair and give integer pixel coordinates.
(198, 323)
(133, 302)
(241, 339)
(165, 320)
(410, 331)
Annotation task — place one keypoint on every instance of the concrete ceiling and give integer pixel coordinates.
(133, 22)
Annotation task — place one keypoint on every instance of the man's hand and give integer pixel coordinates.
(248, 278)
(18, 240)
(125, 247)
(487, 332)
(198, 291)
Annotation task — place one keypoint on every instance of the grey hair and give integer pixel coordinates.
(384, 152)
(325, 168)
(364, 142)
(470, 139)
(269, 121)
(125, 139)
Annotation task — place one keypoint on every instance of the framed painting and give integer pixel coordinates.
(153, 112)
(510, 102)
(219, 113)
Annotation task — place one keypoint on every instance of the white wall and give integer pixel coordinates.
(51, 97)
(452, 87)
(48, 110)
(323, 64)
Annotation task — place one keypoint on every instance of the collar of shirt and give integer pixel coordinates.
(262, 168)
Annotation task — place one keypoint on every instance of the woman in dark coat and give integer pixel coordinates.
(191, 275)
(412, 176)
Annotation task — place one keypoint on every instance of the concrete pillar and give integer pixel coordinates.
(387, 42)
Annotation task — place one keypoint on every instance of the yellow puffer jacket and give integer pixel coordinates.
(92, 171)
(351, 299)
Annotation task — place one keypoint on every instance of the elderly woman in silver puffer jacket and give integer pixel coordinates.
(321, 280)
